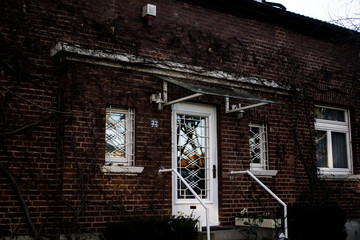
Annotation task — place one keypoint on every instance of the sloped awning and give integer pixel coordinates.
(202, 89)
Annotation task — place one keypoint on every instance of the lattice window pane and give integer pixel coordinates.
(258, 146)
(120, 136)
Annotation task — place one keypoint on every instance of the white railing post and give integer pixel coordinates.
(196, 196)
(272, 194)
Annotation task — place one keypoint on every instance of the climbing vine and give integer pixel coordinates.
(56, 92)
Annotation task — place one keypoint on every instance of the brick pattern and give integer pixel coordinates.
(56, 159)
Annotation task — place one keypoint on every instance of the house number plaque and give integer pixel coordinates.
(154, 123)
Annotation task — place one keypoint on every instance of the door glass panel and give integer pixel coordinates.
(321, 149)
(192, 155)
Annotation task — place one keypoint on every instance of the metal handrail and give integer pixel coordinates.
(196, 196)
(282, 235)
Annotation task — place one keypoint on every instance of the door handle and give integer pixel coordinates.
(214, 171)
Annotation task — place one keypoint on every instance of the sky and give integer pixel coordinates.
(325, 10)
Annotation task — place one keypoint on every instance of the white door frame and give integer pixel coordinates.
(192, 206)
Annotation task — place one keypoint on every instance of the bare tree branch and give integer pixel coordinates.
(24, 206)
(29, 126)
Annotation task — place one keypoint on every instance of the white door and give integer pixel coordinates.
(195, 158)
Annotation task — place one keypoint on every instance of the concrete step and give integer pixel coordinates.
(222, 233)
(234, 233)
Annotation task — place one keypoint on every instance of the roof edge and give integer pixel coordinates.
(302, 24)
(65, 51)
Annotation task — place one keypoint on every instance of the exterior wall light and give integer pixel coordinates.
(148, 14)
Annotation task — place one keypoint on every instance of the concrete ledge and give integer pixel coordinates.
(340, 177)
(264, 173)
(121, 170)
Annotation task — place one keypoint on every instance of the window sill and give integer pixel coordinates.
(264, 173)
(339, 177)
(121, 170)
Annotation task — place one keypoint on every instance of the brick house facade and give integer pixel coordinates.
(70, 70)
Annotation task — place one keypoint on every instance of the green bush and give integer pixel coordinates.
(153, 228)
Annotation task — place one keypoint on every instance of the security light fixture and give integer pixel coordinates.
(148, 14)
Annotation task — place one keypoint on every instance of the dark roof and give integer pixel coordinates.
(215, 89)
(266, 12)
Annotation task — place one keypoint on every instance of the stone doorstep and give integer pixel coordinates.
(222, 233)
(232, 233)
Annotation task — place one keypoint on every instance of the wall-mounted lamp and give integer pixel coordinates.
(148, 14)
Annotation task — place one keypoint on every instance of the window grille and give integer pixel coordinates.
(120, 136)
(258, 146)
(192, 154)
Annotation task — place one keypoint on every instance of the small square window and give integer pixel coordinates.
(258, 146)
(120, 136)
(332, 138)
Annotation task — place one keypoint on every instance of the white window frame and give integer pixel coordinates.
(264, 163)
(330, 126)
(129, 159)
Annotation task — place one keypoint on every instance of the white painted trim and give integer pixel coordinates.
(212, 201)
(330, 126)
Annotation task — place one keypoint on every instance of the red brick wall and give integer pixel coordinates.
(55, 155)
